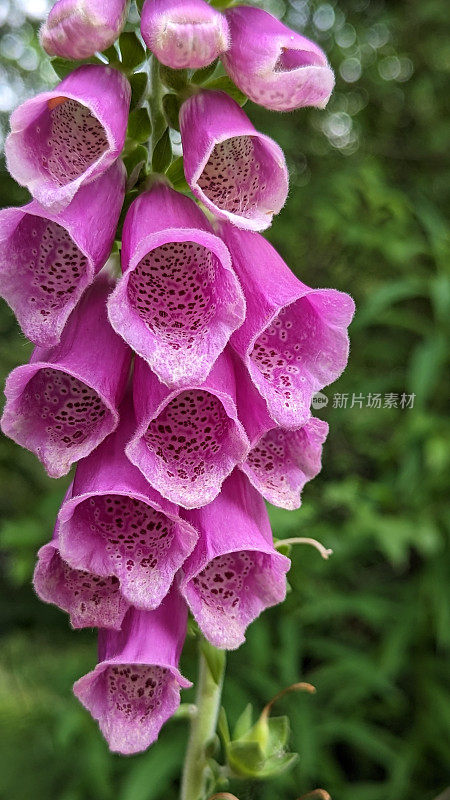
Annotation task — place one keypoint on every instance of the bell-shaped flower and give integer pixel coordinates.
(273, 65)
(116, 524)
(77, 29)
(135, 687)
(184, 34)
(64, 402)
(294, 340)
(91, 600)
(179, 300)
(65, 138)
(234, 572)
(188, 441)
(281, 460)
(237, 172)
(47, 260)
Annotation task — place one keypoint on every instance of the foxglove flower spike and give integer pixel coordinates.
(179, 299)
(47, 260)
(65, 138)
(237, 172)
(135, 687)
(64, 402)
(234, 572)
(273, 65)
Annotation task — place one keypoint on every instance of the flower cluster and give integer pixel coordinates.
(182, 390)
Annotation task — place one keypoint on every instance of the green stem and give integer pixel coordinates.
(159, 124)
(204, 723)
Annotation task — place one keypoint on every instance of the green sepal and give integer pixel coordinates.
(129, 197)
(173, 78)
(244, 722)
(223, 727)
(132, 51)
(200, 76)
(138, 83)
(175, 174)
(162, 154)
(140, 5)
(137, 156)
(139, 125)
(171, 107)
(63, 67)
(111, 53)
(225, 84)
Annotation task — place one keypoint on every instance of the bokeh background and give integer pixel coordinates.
(371, 627)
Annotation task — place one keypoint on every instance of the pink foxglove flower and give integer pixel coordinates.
(64, 402)
(91, 600)
(116, 524)
(294, 339)
(237, 172)
(280, 461)
(184, 34)
(135, 687)
(47, 260)
(234, 572)
(179, 299)
(273, 65)
(65, 138)
(77, 29)
(187, 441)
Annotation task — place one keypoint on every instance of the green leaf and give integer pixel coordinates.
(175, 173)
(223, 727)
(132, 51)
(225, 84)
(200, 76)
(138, 83)
(162, 154)
(171, 107)
(139, 125)
(137, 156)
(173, 78)
(62, 67)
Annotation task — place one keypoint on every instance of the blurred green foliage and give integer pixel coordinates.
(370, 628)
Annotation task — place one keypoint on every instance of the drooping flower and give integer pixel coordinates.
(234, 572)
(47, 260)
(179, 300)
(65, 138)
(135, 687)
(64, 402)
(114, 523)
(187, 441)
(77, 29)
(273, 65)
(237, 172)
(280, 460)
(184, 34)
(294, 339)
(91, 600)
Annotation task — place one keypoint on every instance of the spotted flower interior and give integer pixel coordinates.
(90, 600)
(66, 139)
(61, 418)
(130, 702)
(52, 271)
(190, 447)
(125, 536)
(240, 177)
(231, 591)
